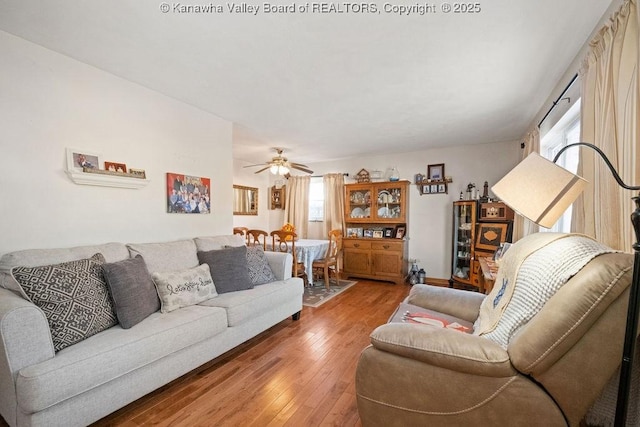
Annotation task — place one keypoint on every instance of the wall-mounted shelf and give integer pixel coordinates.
(433, 186)
(108, 180)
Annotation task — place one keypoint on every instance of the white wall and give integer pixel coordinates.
(430, 216)
(48, 102)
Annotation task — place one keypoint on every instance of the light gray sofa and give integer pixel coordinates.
(87, 381)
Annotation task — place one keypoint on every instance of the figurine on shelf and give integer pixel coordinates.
(485, 193)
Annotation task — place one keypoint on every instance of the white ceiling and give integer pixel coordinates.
(329, 86)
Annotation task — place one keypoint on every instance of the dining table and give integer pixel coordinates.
(307, 251)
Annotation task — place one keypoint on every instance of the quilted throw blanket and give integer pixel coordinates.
(531, 272)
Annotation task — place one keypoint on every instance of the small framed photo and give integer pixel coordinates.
(400, 230)
(388, 232)
(79, 159)
(436, 172)
(115, 167)
(378, 234)
(434, 188)
(426, 189)
(139, 173)
(352, 232)
(442, 188)
(368, 233)
(418, 178)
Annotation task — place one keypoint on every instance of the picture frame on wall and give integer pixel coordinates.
(434, 188)
(426, 189)
(188, 194)
(78, 159)
(436, 172)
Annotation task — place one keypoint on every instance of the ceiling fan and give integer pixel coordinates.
(280, 165)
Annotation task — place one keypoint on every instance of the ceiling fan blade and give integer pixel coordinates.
(300, 168)
(294, 164)
(259, 164)
(262, 170)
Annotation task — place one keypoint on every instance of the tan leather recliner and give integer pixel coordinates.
(552, 371)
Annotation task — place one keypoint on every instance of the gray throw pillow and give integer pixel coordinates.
(229, 268)
(259, 269)
(184, 288)
(73, 296)
(132, 290)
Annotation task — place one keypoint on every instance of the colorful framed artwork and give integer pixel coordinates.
(490, 236)
(188, 194)
(79, 159)
(435, 172)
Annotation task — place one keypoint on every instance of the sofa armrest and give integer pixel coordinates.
(445, 348)
(25, 340)
(454, 302)
(281, 264)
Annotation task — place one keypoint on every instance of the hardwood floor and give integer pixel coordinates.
(295, 374)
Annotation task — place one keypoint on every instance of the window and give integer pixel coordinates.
(565, 131)
(316, 199)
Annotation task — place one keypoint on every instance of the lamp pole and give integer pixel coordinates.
(628, 351)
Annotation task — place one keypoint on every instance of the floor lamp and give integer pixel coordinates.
(541, 191)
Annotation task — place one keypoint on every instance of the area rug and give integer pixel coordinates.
(318, 294)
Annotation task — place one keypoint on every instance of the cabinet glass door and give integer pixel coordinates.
(389, 202)
(359, 200)
(463, 222)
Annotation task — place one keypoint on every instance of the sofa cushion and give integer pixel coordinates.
(114, 353)
(228, 268)
(73, 296)
(242, 306)
(112, 252)
(184, 288)
(133, 292)
(169, 256)
(259, 269)
(209, 243)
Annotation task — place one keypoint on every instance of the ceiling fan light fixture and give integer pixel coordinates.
(274, 169)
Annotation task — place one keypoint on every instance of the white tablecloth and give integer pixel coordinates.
(308, 250)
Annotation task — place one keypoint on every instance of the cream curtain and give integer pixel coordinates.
(521, 225)
(333, 184)
(609, 119)
(297, 209)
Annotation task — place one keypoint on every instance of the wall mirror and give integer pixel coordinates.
(245, 200)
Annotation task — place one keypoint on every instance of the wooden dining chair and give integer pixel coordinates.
(257, 237)
(241, 231)
(331, 260)
(285, 241)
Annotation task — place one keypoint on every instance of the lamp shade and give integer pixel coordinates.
(539, 190)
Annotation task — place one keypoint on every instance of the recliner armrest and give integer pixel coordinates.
(454, 302)
(445, 348)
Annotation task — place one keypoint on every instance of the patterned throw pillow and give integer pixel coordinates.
(259, 269)
(184, 288)
(73, 296)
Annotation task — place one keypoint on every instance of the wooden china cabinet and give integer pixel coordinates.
(478, 230)
(375, 245)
